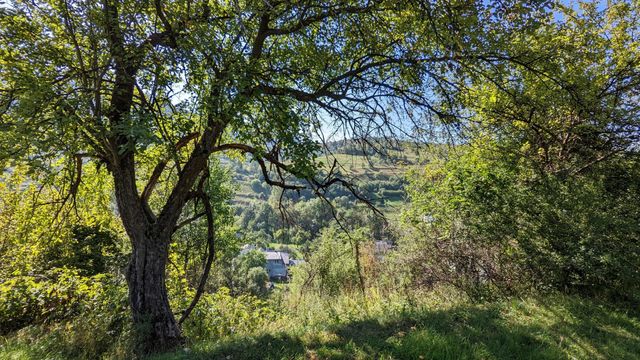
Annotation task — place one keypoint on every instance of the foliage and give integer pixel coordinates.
(56, 295)
(90, 250)
(486, 227)
(336, 265)
(190, 244)
(61, 284)
(135, 104)
(248, 272)
(541, 196)
(152, 91)
(220, 314)
(257, 187)
(41, 230)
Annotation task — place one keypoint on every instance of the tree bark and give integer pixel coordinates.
(155, 326)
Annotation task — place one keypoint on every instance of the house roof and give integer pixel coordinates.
(277, 255)
(268, 253)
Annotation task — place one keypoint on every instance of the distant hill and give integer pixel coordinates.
(378, 171)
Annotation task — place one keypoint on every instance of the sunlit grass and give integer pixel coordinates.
(397, 326)
(556, 327)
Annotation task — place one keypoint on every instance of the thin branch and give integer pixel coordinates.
(189, 221)
(157, 171)
(210, 249)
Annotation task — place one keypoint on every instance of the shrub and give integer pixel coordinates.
(90, 249)
(65, 315)
(56, 295)
(333, 266)
(220, 314)
(491, 226)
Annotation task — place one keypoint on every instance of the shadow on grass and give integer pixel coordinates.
(597, 330)
(497, 331)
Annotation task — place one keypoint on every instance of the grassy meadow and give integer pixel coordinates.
(555, 327)
(426, 326)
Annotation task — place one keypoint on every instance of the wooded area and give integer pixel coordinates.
(415, 159)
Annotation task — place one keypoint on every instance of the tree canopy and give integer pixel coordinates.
(151, 90)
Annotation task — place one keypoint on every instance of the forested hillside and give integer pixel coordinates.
(381, 177)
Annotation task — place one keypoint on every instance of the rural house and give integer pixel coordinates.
(277, 264)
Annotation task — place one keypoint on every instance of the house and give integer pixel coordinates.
(277, 264)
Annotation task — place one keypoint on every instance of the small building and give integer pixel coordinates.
(277, 263)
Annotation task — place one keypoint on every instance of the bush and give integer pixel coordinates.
(90, 249)
(220, 314)
(491, 226)
(333, 267)
(57, 295)
(65, 315)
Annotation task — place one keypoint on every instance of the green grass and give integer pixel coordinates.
(550, 328)
(378, 327)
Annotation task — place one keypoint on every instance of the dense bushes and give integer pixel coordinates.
(486, 225)
(74, 316)
(221, 314)
(55, 295)
(541, 192)
(61, 284)
(339, 263)
(79, 317)
(91, 250)
(242, 274)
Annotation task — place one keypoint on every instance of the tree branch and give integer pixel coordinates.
(189, 221)
(316, 185)
(157, 171)
(210, 248)
(305, 22)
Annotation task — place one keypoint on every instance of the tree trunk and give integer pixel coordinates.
(155, 326)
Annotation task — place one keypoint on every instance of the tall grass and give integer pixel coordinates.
(383, 325)
(440, 325)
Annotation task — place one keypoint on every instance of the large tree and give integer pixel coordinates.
(153, 89)
(544, 193)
